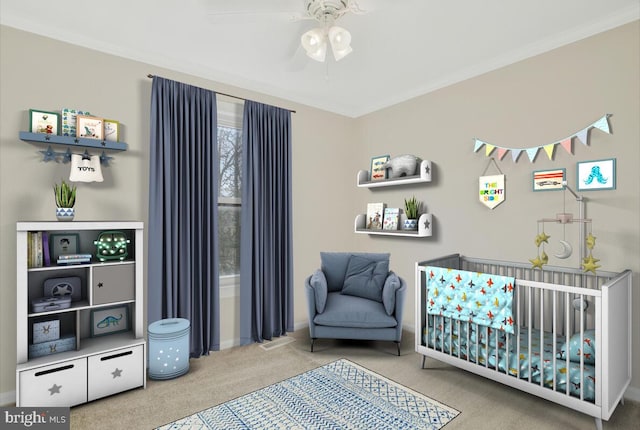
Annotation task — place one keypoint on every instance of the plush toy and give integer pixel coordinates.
(402, 165)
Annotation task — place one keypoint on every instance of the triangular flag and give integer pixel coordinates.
(602, 124)
(488, 149)
(566, 144)
(515, 153)
(583, 136)
(532, 152)
(549, 150)
(501, 153)
(478, 145)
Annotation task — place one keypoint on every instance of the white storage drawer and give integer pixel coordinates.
(61, 384)
(115, 371)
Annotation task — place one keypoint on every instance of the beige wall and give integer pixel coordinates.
(534, 102)
(531, 103)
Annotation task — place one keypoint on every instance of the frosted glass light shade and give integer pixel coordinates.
(340, 40)
(314, 43)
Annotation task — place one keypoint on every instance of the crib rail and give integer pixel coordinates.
(554, 309)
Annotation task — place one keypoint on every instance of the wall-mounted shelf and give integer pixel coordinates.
(363, 180)
(425, 227)
(72, 141)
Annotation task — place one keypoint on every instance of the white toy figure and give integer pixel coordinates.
(402, 165)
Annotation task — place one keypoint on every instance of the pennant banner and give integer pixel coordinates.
(567, 143)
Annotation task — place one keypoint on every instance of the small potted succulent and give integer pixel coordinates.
(411, 209)
(65, 200)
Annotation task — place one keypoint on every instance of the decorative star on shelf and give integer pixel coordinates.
(49, 154)
(589, 264)
(54, 389)
(67, 156)
(542, 237)
(104, 159)
(427, 224)
(116, 373)
(427, 169)
(591, 241)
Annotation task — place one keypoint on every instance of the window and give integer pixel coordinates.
(230, 187)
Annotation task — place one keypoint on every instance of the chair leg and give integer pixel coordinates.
(313, 339)
(398, 345)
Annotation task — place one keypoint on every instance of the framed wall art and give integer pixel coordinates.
(597, 175)
(61, 244)
(378, 172)
(109, 320)
(111, 130)
(43, 122)
(549, 180)
(90, 127)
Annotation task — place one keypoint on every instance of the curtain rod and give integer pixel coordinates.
(150, 76)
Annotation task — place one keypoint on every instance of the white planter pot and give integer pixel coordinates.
(410, 224)
(65, 214)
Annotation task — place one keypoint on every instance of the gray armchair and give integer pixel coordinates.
(355, 296)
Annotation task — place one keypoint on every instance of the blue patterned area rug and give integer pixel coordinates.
(339, 395)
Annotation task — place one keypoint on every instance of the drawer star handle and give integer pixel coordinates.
(100, 284)
(55, 389)
(116, 373)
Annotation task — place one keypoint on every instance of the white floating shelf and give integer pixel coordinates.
(363, 178)
(425, 227)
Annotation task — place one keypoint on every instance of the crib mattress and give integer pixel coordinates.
(533, 360)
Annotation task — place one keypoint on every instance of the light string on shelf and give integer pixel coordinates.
(566, 143)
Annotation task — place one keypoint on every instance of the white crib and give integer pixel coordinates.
(555, 305)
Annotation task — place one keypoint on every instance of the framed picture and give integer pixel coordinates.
(111, 130)
(375, 213)
(61, 244)
(549, 180)
(378, 172)
(114, 319)
(43, 122)
(597, 175)
(90, 127)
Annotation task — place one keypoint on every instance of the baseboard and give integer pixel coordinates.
(8, 398)
(229, 344)
(632, 393)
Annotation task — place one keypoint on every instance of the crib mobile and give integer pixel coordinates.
(589, 263)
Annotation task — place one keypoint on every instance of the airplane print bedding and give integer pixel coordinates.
(571, 338)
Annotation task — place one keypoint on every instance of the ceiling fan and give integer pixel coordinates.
(317, 40)
(327, 12)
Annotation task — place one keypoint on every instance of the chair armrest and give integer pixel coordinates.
(400, 296)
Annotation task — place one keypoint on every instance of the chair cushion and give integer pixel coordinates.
(391, 284)
(319, 284)
(351, 311)
(365, 277)
(334, 265)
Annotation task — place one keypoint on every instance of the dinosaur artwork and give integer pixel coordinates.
(109, 321)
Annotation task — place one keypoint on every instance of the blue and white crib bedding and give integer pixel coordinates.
(460, 339)
(481, 298)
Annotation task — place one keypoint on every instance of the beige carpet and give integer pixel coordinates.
(233, 372)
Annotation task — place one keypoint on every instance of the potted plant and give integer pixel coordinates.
(411, 209)
(65, 200)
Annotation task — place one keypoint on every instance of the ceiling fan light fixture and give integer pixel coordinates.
(340, 40)
(314, 43)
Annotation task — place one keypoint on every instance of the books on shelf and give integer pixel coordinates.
(375, 213)
(38, 249)
(67, 259)
(391, 217)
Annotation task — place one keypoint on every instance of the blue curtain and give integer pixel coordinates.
(183, 211)
(266, 273)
